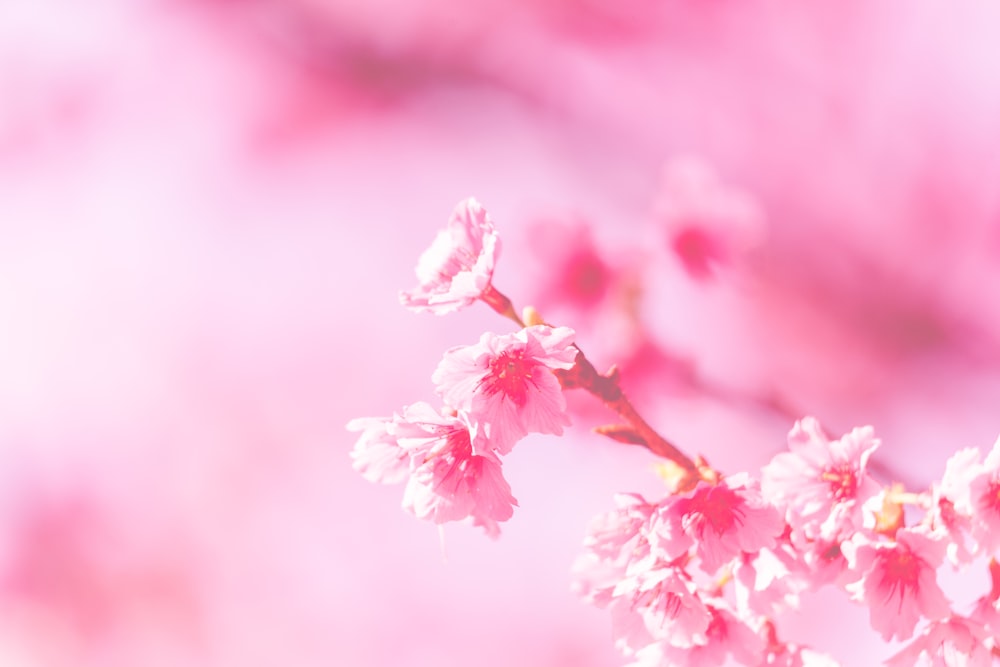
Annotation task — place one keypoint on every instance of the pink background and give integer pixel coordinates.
(208, 208)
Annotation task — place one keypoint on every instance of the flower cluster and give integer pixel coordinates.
(651, 565)
(494, 392)
(702, 576)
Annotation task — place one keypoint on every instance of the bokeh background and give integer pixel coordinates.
(760, 209)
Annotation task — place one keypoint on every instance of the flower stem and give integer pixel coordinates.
(606, 387)
(501, 304)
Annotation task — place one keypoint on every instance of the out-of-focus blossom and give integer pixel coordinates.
(187, 184)
(708, 225)
(589, 283)
(86, 582)
(458, 267)
(572, 273)
(506, 384)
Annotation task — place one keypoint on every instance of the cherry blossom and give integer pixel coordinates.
(458, 267)
(615, 540)
(709, 225)
(967, 502)
(986, 612)
(725, 520)
(658, 604)
(700, 577)
(983, 502)
(821, 562)
(952, 642)
(764, 583)
(377, 454)
(446, 480)
(727, 635)
(573, 272)
(822, 486)
(507, 386)
(950, 513)
(898, 580)
(617, 534)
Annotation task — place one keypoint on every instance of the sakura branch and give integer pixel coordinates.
(703, 575)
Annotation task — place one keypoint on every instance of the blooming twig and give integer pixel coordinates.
(699, 576)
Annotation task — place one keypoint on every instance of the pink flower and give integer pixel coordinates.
(820, 485)
(953, 642)
(658, 604)
(822, 562)
(572, 273)
(898, 580)
(507, 386)
(377, 454)
(448, 482)
(727, 635)
(614, 541)
(709, 225)
(616, 534)
(950, 513)
(725, 520)
(967, 502)
(982, 502)
(987, 609)
(763, 583)
(458, 267)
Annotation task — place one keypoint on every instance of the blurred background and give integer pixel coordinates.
(758, 209)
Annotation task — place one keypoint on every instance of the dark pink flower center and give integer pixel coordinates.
(991, 499)
(459, 442)
(697, 250)
(718, 506)
(902, 566)
(668, 603)
(585, 278)
(831, 552)
(453, 460)
(717, 629)
(946, 510)
(900, 572)
(843, 481)
(510, 374)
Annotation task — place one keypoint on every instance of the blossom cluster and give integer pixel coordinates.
(494, 392)
(707, 572)
(703, 575)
